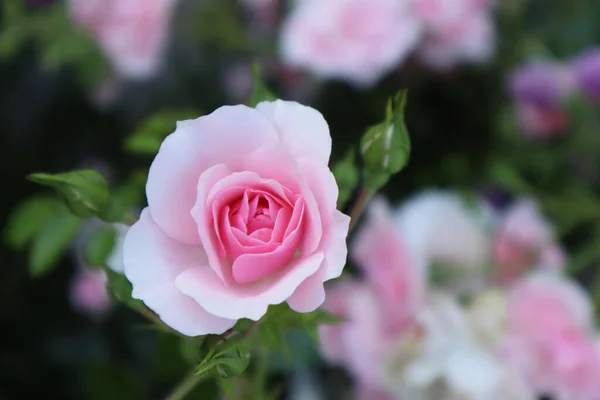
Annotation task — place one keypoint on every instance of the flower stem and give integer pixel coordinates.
(359, 205)
(184, 387)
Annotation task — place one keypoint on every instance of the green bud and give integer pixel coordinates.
(385, 147)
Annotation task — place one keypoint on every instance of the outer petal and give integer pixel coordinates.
(310, 294)
(222, 137)
(152, 261)
(244, 302)
(336, 249)
(302, 129)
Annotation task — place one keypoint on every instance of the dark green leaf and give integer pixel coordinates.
(148, 136)
(28, 218)
(51, 241)
(100, 246)
(121, 289)
(84, 191)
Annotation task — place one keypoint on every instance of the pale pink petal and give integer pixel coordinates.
(152, 262)
(222, 137)
(243, 301)
(335, 247)
(310, 294)
(302, 129)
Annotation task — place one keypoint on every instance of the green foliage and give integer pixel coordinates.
(50, 242)
(100, 246)
(28, 219)
(113, 381)
(60, 42)
(85, 192)
(226, 358)
(148, 136)
(385, 148)
(346, 175)
(120, 288)
(260, 92)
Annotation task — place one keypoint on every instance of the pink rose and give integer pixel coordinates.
(88, 292)
(525, 239)
(356, 40)
(399, 279)
(550, 338)
(133, 33)
(241, 215)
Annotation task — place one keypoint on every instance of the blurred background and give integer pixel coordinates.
(76, 87)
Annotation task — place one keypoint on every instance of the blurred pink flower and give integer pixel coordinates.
(459, 30)
(397, 276)
(356, 40)
(88, 292)
(550, 339)
(360, 342)
(133, 33)
(525, 239)
(541, 122)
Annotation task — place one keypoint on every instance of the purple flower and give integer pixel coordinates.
(541, 83)
(587, 73)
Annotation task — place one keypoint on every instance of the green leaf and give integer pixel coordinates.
(229, 362)
(148, 136)
(346, 175)
(28, 219)
(260, 92)
(100, 246)
(84, 191)
(50, 242)
(506, 175)
(120, 288)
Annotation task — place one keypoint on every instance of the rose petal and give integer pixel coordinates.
(310, 294)
(200, 213)
(253, 267)
(222, 137)
(302, 129)
(274, 162)
(152, 262)
(336, 250)
(247, 301)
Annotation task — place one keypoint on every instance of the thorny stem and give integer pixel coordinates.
(359, 205)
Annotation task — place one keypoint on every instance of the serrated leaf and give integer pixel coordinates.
(85, 191)
(148, 136)
(28, 218)
(50, 243)
(100, 246)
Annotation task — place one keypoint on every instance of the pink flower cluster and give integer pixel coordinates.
(361, 40)
(525, 329)
(541, 89)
